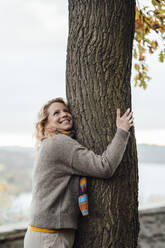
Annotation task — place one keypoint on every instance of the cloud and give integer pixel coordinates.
(33, 23)
(49, 14)
(32, 62)
(32, 66)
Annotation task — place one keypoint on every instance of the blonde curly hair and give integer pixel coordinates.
(41, 132)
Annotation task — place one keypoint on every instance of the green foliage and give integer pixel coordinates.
(148, 20)
(162, 56)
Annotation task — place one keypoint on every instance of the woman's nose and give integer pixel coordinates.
(63, 114)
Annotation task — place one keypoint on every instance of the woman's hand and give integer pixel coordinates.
(124, 122)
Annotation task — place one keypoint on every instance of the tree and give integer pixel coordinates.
(99, 57)
(148, 20)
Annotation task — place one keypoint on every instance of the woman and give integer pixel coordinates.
(60, 162)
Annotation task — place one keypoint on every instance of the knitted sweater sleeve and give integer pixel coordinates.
(76, 159)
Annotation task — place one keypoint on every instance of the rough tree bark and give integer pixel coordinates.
(99, 57)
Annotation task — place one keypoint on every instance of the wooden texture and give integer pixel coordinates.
(99, 57)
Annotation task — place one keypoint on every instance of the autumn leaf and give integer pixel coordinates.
(141, 58)
(150, 50)
(135, 54)
(161, 57)
(154, 44)
(144, 68)
(137, 67)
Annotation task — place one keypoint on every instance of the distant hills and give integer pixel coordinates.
(16, 164)
(24, 156)
(151, 153)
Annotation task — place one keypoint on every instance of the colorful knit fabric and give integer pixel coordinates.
(70, 133)
(83, 197)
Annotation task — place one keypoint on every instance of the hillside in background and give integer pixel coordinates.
(16, 164)
(151, 153)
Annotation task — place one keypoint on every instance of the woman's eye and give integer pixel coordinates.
(55, 113)
(66, 110)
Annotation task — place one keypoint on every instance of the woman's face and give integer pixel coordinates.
(59, 117)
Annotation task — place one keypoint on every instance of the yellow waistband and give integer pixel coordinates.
(38, 229)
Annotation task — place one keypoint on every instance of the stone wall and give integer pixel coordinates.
(11, 236)
(152, 228)
(152, 231)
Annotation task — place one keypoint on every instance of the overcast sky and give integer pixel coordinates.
(33, 38)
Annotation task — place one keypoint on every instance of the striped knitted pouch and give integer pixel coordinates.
(83, 197)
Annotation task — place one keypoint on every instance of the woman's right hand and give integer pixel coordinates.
(124, 122)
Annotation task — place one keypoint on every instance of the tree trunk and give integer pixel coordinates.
(99, 57)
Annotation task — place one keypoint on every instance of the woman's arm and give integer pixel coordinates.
(72, 158)
(87, 163)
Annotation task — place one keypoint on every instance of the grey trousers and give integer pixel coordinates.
(35, 239)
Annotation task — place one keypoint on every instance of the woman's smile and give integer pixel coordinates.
(65, 121)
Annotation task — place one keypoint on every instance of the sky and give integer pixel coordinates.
(33, 40)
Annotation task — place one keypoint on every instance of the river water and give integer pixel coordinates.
(151, 185)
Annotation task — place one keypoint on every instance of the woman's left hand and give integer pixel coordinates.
(124, 122)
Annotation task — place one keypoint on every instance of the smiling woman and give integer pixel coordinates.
(59, 192)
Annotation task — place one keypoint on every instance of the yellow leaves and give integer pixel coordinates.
(150, 50)
(142, 50)
(141, 77)
(162, 56)
(137, 67)
(147, 21)
(138, 25)
(162, 29)
(145, 68)
(154, 45)
(138, 20)
(158, 3)
(154, 2)
(141, 58)
(156, 25)
(137, 14)
(159, 13)
(135, 53)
